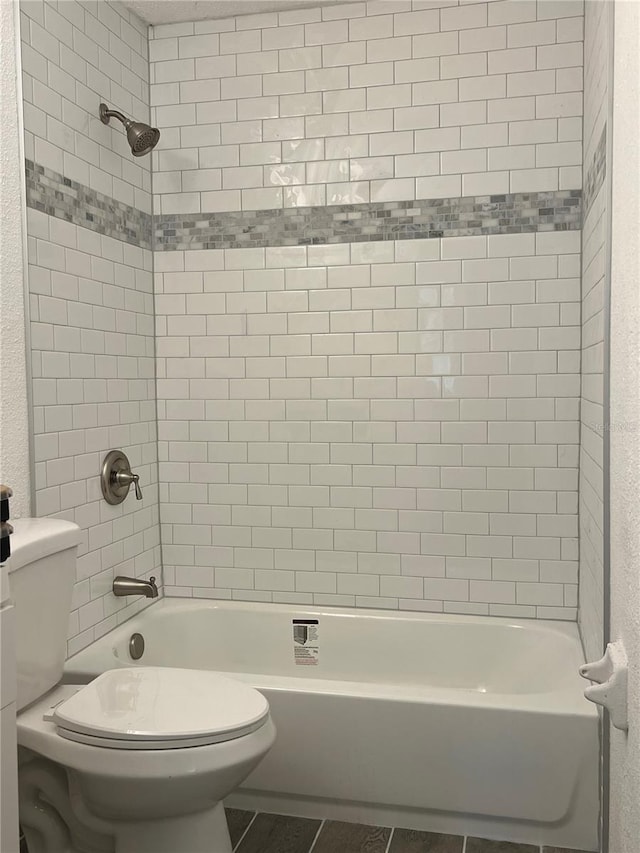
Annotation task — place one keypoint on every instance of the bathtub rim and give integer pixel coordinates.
(95, 658)
(178, 603)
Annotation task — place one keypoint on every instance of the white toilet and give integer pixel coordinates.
(140, 759)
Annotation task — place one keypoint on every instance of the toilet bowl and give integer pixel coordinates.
(150, 753)
(138, 760)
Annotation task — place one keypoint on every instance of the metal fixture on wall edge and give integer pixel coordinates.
(116, 478)
(122, 585)
(140, 136)
(136, 646)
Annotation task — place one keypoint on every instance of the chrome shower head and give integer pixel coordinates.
(140, 136)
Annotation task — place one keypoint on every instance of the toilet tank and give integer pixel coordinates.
(42, 571)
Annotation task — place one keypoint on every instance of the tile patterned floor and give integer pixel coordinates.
(253, 832)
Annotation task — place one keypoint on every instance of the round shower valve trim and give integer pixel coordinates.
(117, 478)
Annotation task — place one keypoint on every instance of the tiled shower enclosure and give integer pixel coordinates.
(367, 289)
(364, 228)
(379, 423)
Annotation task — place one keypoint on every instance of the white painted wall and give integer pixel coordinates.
(625, 420)
(14, 433)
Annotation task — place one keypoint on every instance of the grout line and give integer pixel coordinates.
(388, 847)
(313, 843)
(241, 839)
(464, 844)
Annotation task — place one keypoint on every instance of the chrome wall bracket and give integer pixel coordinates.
(116, 478)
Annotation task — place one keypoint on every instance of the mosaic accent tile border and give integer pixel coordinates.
(513, 213)
(596, 172)
(63, 198)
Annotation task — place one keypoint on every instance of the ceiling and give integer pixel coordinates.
(175, 11)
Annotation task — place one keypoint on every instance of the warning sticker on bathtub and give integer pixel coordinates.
(306, 647)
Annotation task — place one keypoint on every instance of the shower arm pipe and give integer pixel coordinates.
(106, 114)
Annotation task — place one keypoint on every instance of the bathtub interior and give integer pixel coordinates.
(492, 656)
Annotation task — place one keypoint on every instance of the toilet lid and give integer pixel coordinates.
(160, 707)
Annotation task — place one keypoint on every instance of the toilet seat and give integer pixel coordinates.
(158, 708)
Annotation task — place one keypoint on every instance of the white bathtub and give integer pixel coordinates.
(450, 723)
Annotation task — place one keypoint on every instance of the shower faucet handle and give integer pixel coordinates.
(128, 478)
(117, 478)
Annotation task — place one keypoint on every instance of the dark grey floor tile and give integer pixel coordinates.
(412, 841)
(273, 833)
(339, 837)
(483, 845)
(560, 850)
(237, 821)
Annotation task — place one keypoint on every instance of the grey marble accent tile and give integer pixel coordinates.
(55, 195)
(484, 845)
(413, 841)
(595, 174)
(514, 213)
(351, 838)
(272, 833)
(237, 821)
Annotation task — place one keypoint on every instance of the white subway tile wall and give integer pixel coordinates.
(594, 288)
(92, 335)
(379, 424)
(92, 356)
(367, 102)
(373, 424)
(75, 55)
